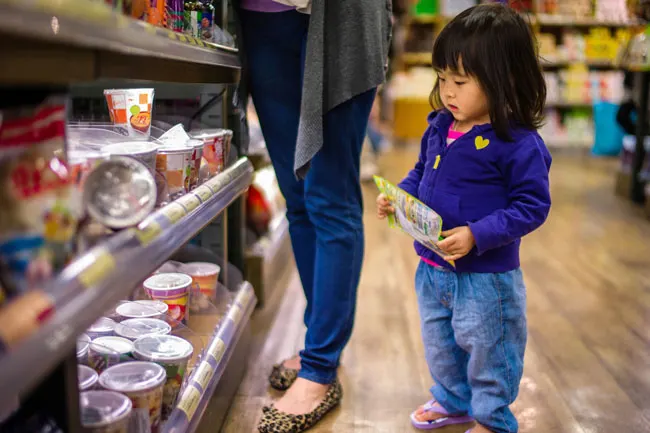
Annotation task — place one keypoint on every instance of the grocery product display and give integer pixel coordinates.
(580, 44)
(93, 211)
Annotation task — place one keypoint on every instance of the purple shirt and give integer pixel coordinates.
(264, 6)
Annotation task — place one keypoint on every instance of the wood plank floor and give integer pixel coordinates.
(588, 358)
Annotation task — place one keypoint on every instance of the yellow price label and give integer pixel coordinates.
(204, 374)
(147, 233)
(102, 265)
(174, 212)
(246, 297)
(235, 313)
(203, 192)
(217, 350)
(189, 202)
(189, 401)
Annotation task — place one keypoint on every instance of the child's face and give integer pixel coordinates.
(463, 97)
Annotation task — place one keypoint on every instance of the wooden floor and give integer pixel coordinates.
(588, 359)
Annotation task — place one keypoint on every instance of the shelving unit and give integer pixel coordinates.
(60, 43)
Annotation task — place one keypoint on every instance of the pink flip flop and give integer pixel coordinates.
(435, 407)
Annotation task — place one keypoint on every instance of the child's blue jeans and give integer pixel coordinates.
(474, 331)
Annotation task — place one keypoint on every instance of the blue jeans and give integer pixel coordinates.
(474, 331)
(324, 210)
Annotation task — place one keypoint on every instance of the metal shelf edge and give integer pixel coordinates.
(98, 279)
(205, 376)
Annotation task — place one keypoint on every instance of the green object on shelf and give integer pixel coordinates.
(426, 7)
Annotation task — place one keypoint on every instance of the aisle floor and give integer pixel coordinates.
(588, 358)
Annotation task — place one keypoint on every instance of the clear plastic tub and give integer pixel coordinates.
(87, 377)
(103, 327)
(143, 151)
(173, 354)
(104, 352)
(143, 383)
(152, 309)
(132, 329)
(105, 412)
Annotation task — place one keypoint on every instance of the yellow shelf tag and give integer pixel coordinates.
(148, 233)
(203, 192)
(217, 350)
(204, 374)
(174, 212)
(189, 401)
(189, 202)
(104, 263)
(235, 313)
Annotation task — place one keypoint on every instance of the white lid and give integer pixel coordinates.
(83, 341)
(111, 345)
(101, 325)
(146, 308)
(201, 269)
(193, 143)
(161, 348)
(133, 377)
(103, 408)
(87, 377)
(168, 281)
(136, 328)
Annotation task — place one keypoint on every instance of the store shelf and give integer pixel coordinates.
(569, 21)
(58, 42)
(98, 279)
(206, 374)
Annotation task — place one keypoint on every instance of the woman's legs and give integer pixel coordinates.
(275, 44)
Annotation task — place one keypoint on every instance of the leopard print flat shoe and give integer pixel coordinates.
(281, 377)
(274, 421)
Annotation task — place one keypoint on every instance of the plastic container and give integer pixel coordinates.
(82, 162)
(143, 383)
(87, 377)
(152, 309)
(173, 354)
(174, 163)
(103, 327)
(143, 151)
(83, 342)
(204, 275)
(105, 412)
(105, 352)
(132, 329)
(131, 109)
(213, 148)
(197, 156)
(173, 289)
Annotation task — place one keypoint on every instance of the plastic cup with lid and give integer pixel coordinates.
(143, 383)
(103, 327)
(173, 354)
(83, 342)
(105, 352)
(152, 309)
(104, 411)
(173, 289)
(87, 377)
(132, 329)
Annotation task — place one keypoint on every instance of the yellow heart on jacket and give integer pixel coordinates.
(481, 143)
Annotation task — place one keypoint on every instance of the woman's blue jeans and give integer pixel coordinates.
(324, 210)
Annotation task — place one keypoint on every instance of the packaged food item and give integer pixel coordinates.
(176, 165)
(205, 276)
(82, 162)
(197, 157)
(174, 290)
(131, 108)
(412, 216)
(132, 329)
(153, 309)
(87, 377)
(120, 193)
(105, 412)
(136, 8)
(143, 383)
(213, 147)
(142, 151)
(103, 327)
(175, 15)
(83, 343)
(156, 13)
(105, 352)
(39, 204)
(207, 21)
(173, 354)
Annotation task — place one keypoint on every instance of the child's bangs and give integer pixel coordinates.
(452, 46)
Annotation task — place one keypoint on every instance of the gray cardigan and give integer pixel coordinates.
(347, 49)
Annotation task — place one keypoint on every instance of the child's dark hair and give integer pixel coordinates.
(497, 48)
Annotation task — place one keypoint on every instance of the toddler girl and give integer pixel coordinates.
(484, 169)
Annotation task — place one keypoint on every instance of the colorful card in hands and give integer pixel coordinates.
(413, 217)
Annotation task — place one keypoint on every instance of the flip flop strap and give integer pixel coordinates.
(435, 407)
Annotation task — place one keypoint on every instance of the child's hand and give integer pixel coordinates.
(457, 242)
(384, 207)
